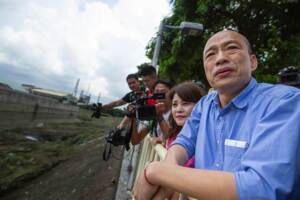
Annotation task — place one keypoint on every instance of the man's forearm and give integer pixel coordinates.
(137, 135)
(176, 155)
(201, 184)
(113, 104)
(124, 122)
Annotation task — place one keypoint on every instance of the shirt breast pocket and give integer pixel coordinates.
(232, 158)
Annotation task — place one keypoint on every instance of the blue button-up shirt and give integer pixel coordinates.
(256, 136)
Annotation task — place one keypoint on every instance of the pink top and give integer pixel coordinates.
(190, 162)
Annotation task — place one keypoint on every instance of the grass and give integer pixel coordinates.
(22, 159)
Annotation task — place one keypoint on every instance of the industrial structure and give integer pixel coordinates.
(63, 97)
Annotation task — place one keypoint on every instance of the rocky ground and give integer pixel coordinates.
(59, 162)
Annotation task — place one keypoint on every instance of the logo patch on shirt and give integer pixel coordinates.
(236, 143)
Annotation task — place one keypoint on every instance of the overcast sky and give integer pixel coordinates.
(52, 43)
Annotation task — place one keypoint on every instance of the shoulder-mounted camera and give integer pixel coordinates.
(143, 111)
(290, 76)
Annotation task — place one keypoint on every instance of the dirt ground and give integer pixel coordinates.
(83, 176)
(63, 163)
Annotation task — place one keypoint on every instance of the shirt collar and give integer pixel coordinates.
(241, 100)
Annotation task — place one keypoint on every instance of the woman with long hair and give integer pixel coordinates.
(183, 98)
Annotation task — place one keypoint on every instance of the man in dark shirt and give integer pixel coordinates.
(134, 85)
(136, 91)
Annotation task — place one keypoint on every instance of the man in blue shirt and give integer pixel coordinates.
(245, 136)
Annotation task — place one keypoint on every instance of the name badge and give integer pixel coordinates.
(236, 143)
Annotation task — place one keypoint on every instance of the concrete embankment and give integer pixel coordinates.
(20, 109)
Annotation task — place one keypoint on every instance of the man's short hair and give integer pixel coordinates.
(146, 70)
(167, 83)
(129, 76)
(245, 39)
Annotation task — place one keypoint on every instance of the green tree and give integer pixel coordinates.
(272, 26)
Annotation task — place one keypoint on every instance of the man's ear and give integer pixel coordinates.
(253, 61)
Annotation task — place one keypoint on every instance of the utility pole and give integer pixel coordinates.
(99, 96)
(188, 28)
(76, 87)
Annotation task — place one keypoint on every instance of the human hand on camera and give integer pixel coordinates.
(131, 108)
(160, 108)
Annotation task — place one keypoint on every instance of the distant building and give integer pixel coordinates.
(60, 96)
(84, 99)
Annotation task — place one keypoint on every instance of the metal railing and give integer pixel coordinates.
(151, 153)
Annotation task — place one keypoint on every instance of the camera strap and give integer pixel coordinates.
(108, 149)
(153, 128)
(128, 136)
(106, 155)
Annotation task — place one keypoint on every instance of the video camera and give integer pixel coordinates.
(116, 137)
(119, 137)
(96, 108)
(143, 111)
(290, 76)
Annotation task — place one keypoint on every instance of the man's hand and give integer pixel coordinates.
(131, 108)
(160, 108)
(120, 126)
(156, 140)
(156, 170)
(164, 193)
(142, 190)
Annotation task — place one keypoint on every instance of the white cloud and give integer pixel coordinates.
(61, 40)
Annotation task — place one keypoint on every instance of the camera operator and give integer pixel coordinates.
(149, 77)
(159, 126)
(136, 92)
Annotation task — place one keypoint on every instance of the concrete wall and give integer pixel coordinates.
(20, 109)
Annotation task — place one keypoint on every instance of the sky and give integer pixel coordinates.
(52, 44)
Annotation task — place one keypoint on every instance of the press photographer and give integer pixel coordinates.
(122, 136)
(149, 77)
(157, 115)
(138, 109)
(136, 91)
